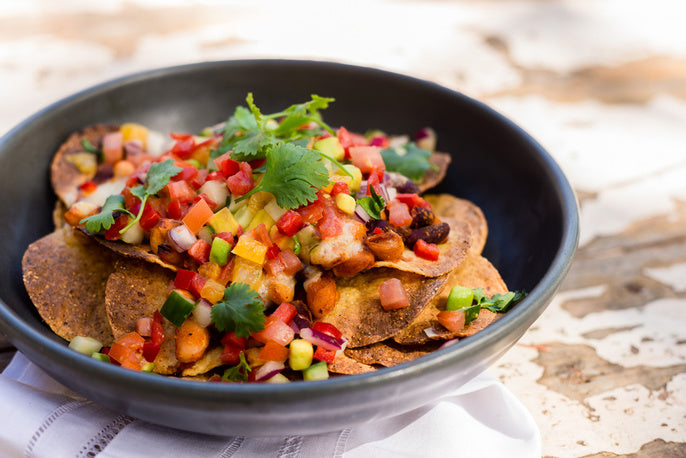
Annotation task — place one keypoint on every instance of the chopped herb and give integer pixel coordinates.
(408, 160)
(293, 175)
(91, 148)
(373, 204)
(498, 303)
(239, 372)
(241, 311)
(105, 219)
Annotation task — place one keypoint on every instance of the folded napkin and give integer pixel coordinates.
(42, 418)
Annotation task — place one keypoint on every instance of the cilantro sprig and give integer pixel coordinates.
(293, 175)
(409, 160)
(91, 148)
(373, 204)
(241, 311)
(239, 372)
(498, 303)
(105, 219)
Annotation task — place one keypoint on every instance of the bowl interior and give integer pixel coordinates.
(526, 200)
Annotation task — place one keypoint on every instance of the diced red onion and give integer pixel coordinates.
(301, 321)
(181, 238)
(143, 326)
(203, 313)
(268, 370)
(430, 333)
(384, 192)
(325, 341)
(426, 138)
(392, 193)
(448, 343)
(362, 214)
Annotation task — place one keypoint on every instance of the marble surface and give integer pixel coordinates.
(600, 83)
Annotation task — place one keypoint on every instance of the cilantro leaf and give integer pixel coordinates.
(105, 219)
(498, 303)
(252, 145)
(239, 372)
(91, 148)
(158, 176)
(408, 160)
(301, 114)
(293, 175)
(373, 204)
(241, 311)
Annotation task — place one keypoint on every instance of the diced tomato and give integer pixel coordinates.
(144, 326)
(366, 158)
(180, 190)
(327, 328)
(285, 312)
(226, 271)
(373, 181)
(216, 175)
(348, 139)
(312, 213)
(129, 199)
(119, 223)
(260, 234)
(426, 250)
(157, 329)
(184, 279)
(149, 218)
(177, 209)
(127, 350)
(231, 354)
(398, 214)
(340, 187)
(276, 330)
(452, 320)
(202, 196)
(200, 251)
(199, 179)
(184, 146)
(291, 262)
(257, 163)
(226, 236)
(273, 351)
(392, 295)
(242, 181)
(273, 252)
(227, 165)
(230, 338)
(88, 187)
(322, 354)
(274, 266)
(150, 351)
(197, 216)
(331, 224)
(412, 200)
(187, 173)
(290, 223)
(197, 284)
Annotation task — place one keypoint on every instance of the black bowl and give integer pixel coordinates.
(530, 207)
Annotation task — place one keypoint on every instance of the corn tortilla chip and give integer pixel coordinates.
(65, 275)
(475, 272)
(142, 252)
(448, 206)
(345, 365)
(137, 289)
(65, 176)
(434, 176)
(389, 353)
(358, 313)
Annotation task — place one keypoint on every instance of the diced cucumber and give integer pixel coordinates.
(177, 308)
(278, 378)
(85, 345)
(317, 371)
(300, 354)
(101, 357)
(219, 253)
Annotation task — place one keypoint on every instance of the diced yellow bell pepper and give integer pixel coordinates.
(261, 217)
(250, 249)
(246, 271)
(131, 131)
(223, 221)
(213, 291)
(258, 200)
(282, 241)
(243, 216)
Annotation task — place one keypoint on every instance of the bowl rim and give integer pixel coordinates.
(19, 331)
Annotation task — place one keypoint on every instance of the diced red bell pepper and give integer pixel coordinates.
(227, 237)
(230, 338)
(312, 213)
(183, 148)
(200, 251)
(231, 354)
(412, 200)
(242, 181)
(340, 187)
(322, 354)
(227, 165)
(150, 351)
(197, 285)
(202, 196)
(157, 329)
(373, 181)
(285, 312)
(187, 173)
(149, 218)
(88, 187)
(290, 223)
(273, 252)
(177, 209)
(331, 224)
(184, 279)
(119, 223)
(180, 190)
(199, 179)
(327, 328)
(216, 175)
(260, 234)
(129, 199)
(426, 250)
(276, 330)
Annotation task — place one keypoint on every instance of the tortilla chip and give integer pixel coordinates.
(137, 289)
(448, 206)
(345, 365)
(358, 313)
(142, 252)
(210, 360)
(435, 176)
(474, 272)
(452, 253)
(65, 275)
(389, 353)
(64, 175)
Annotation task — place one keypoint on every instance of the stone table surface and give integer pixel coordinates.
(600, 83)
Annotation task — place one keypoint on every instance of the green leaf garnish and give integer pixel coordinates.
(293, 175)
(408, 160)
(105, 219)
(91, 148)
(239, 372)
(373, 204)
(498, 303)
(241, 311)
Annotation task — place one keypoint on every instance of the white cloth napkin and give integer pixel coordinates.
(42, 418)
